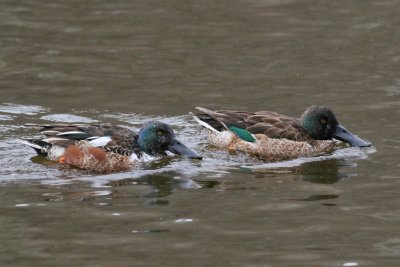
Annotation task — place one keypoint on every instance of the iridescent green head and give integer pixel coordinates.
(155, 138)
(321, 124)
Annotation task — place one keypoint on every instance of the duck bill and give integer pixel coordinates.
(344, 135)
(178, 148)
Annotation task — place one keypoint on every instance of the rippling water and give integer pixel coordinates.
(127, 62)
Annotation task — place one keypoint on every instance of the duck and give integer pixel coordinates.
(271, 136)
(106, 148)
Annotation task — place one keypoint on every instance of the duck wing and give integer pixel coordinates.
(275, 125)
(112, 138)
(272, 124)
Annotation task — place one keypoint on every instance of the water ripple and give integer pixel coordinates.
(21, 109)
(68, 118)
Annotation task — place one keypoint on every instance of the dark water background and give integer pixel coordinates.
(127, 62)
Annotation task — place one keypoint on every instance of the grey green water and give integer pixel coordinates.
(127, 62)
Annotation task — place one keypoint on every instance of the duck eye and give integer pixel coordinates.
(323, 121)
(160, 133)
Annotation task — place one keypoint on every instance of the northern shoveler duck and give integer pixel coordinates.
(106, 148)
(274, 137)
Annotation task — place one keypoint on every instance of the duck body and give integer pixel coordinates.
(272, 149)
(274, 137)
(105, 148)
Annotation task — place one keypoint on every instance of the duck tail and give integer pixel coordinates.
(211, 118)
(219, 137)
(42, 148)
(205, 124)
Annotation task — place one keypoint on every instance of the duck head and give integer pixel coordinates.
(156, 137)
(321, 124)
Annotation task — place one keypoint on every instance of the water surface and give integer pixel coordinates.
(126, 62)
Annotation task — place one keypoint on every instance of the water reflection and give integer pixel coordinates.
(74, 195)
(160, 163)
(159, 186)
(322, 172)
(318, 197)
